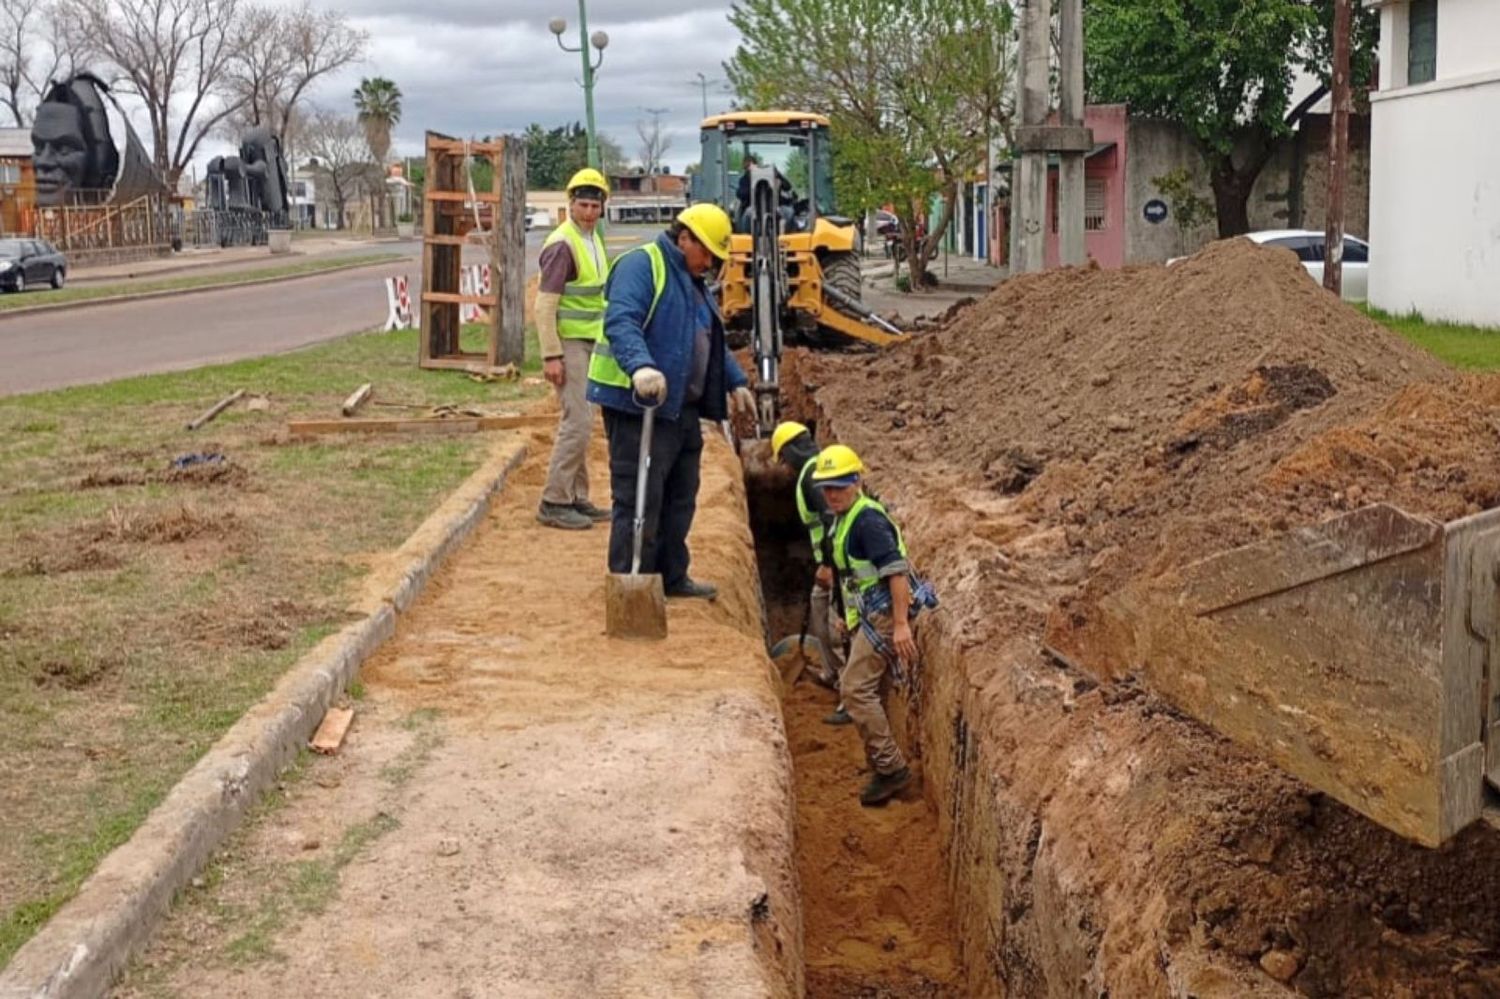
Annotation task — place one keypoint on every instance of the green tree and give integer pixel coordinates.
(913, 91)
(553, 155)
(378, 104)
(1222, 69)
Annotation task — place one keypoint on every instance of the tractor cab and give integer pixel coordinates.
(790, 147)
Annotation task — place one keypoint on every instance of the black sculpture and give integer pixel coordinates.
(72, 147)
(255, 180)
(77, 157)
(249, 193)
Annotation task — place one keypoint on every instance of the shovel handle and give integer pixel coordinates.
(642, 474)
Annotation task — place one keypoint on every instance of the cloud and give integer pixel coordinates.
(496, 76)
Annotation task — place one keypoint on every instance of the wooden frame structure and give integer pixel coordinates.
(455, 215)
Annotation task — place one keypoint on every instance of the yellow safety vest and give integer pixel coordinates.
(811, 519)
(580, 312)
(603, 368)
(858, 576)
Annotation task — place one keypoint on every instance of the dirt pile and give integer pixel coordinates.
(1078, 429)
(1151, 415)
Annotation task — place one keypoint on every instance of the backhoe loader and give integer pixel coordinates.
(793, 272)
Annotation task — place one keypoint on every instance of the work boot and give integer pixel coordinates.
(597, 514)
(883, 787)
(565, 517)
(692, 588)
(839, 717)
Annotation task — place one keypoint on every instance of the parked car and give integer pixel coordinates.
(30, 263)
(538, 217)
(1311, 247)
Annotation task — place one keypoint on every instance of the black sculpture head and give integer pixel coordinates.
(70, 139)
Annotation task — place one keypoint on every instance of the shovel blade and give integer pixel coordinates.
(635, 606)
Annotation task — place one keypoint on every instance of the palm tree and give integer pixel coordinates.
(378, 102)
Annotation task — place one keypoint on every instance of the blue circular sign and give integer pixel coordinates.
(1156, 211)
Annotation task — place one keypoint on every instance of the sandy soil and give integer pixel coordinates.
(525, 807)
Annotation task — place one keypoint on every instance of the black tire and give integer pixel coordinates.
(840, 271)
(58, 277)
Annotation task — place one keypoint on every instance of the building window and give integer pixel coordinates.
(1095, 206)
(1421, 42)
(10, 173)
(299, 189)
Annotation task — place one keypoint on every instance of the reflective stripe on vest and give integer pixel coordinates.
(856, 576)
(580, 312)
(603, 368)
(811, 519)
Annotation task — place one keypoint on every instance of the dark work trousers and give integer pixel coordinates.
(671, 491)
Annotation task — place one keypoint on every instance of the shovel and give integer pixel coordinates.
(635, 606)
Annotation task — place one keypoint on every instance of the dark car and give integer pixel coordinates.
(30, 263)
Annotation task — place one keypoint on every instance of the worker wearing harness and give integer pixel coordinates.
(793, 445)
(882, 597)
(569, 319)
(663, 346)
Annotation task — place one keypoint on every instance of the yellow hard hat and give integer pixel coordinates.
(836, 462)
(588, 177)
(710, 224)
(784, 434)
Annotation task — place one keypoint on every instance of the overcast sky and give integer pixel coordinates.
(488, 67)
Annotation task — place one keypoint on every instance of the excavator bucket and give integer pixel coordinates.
(1359, 655)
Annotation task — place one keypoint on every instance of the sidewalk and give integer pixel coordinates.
(959, 278)
(201, 259)
(525, 807)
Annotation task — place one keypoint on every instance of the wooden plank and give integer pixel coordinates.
(357, 398)
(213, 411)
(473, 424)
(330, 734)
(450, 297)
(474, 148)
(446, 240)
(483, 197)
(509, 265)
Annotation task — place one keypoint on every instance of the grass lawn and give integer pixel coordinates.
(143, 609)
(1467, 347)
(87, 293)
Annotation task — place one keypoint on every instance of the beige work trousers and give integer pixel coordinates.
(862, 686)
(568, 475)
(820, 603)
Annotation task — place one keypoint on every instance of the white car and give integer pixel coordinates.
(1311, 246)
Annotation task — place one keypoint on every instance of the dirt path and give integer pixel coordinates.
(524, 807)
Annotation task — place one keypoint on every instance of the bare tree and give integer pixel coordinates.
(279, 56)
(654, 142)
(339, 156)
(30, 55)
(173, 54)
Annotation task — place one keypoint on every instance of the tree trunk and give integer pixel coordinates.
(929, 247)
(1234, 182)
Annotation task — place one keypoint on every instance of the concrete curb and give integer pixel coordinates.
(32, 310)
(82, 948)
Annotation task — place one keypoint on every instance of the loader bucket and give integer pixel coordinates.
(1356, 654)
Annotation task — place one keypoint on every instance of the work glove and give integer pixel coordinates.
(650, 384)
(742, 400)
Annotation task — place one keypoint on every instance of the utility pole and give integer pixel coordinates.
(1338, 150)
(1035, 139)
(703, 83)
(599, 40)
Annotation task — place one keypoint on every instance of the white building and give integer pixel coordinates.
(1435, 161)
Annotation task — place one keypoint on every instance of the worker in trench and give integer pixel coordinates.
(882, 598)
(664, 346)
(569, 320)
(793, 445)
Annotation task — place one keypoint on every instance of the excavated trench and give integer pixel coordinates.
(876, 908)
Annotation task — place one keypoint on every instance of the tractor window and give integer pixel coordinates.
(793, 155)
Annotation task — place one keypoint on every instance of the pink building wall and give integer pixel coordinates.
(1106, 245)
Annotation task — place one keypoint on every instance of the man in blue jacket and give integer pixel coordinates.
(664, 346)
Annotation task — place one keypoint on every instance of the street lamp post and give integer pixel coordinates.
(599, 40)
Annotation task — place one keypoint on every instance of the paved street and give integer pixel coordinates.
(100, 343)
